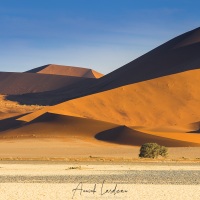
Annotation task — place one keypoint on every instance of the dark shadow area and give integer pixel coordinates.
(127, 136)
(37, 69)
(195, 127)
(47, 117)
(53, 97)
(13, 83)
(10, 123)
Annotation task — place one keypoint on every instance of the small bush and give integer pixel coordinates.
(152, 150)
(163, 151)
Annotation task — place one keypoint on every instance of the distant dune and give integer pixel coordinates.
(66, 71)
(45, 78)
(21, 83)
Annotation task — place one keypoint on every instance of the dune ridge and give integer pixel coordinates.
(66, 71)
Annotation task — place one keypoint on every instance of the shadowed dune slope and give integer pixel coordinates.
(194, 127)
(177, 55)
(166, 101)
(67, 71)
(10, 123)
(21, 83)
(127, 136)
(53, 97)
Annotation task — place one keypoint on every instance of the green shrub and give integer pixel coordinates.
(163, 151)
(152, 150)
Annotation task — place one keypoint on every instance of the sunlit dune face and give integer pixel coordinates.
(166, 101)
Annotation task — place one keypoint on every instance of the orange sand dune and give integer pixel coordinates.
(66, 70)
(166, 101)
(185, 128)
(157, 91)
(8, 115)
(50, 125)
(186, 137)
(69, 129)
(163, 105)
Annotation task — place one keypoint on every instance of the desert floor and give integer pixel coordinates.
(80, 149)
(90, 180)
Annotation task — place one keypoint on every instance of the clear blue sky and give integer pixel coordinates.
(99, 34)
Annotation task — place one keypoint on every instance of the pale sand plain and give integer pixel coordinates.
(59, 180)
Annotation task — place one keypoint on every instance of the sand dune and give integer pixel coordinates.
(21, 83)
(190, 38)
(128, 136)
(50, 125)
(162, 106)
(10, 109)
(81, 130)
(183, 128)
(166, 101)
(66, 70)
(151, 99)
(177, 55)
(53, 97)
(10, 123)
